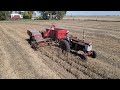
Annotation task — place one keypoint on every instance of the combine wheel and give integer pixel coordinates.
(64, 45)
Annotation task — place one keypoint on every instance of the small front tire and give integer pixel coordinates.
(94, 54)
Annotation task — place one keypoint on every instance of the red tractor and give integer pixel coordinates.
(60, 37)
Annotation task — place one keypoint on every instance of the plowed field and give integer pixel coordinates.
(19, 60)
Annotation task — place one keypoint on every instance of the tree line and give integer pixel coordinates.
(45, 15)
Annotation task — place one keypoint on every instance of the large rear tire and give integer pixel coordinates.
(64, 45)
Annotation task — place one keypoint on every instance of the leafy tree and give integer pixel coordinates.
(60, 15)
(27, 15)
(4, 15)
(46, 15)
(30, 14)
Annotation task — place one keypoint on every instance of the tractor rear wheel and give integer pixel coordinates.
(64, 45)
(94, 54)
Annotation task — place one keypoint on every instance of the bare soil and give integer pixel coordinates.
(19, 60)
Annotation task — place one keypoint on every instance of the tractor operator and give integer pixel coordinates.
(68, 36)
(53, 27)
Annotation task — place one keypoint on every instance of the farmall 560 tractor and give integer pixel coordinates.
(59, 36)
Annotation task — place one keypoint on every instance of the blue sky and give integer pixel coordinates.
(91, 13)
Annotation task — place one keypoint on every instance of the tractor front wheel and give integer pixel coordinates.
(94, 54)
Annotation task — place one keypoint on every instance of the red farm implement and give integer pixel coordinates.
(59, 36)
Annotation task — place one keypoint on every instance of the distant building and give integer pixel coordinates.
(16, 16)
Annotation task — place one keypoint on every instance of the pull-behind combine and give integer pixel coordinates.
(59, 36)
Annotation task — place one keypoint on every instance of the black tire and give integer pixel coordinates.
(57, 40)
(29, 41)
(64, 45)
(84, 57)
(94, 54)
(34, 45)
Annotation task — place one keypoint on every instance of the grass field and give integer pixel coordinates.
(19, 60)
